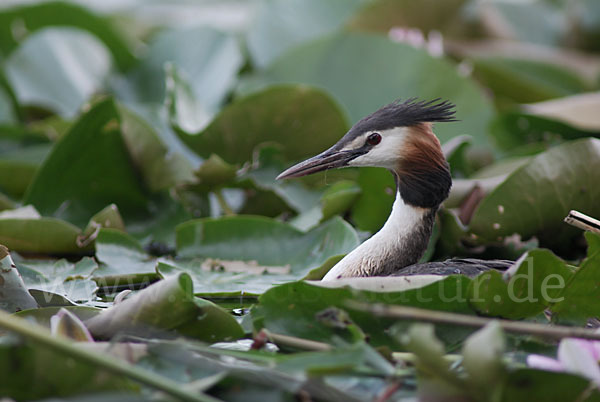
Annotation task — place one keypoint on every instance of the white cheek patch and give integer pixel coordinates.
(356, 143)
(386, 153)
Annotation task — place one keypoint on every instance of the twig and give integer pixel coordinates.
(227, 210)
(408, 357)
(40, 335)
(554, 332)
(582, 221)
(295, 342)
(389, 392)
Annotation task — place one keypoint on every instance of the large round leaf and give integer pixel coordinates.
(41, 235)
(279, 25)
(209, 59)
(266, 241)
(7, 112)
(305, 121)
(374, 204)
(383, 15)
(58, 68)
(523, 80)
(534, 200)
(30, 18)
(364, 72)
(88, 169)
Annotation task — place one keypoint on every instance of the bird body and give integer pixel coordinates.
(400, 242)
(398, 137)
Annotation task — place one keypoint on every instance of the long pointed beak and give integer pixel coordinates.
(329, 159)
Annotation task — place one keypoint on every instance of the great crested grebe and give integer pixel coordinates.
(398, 137)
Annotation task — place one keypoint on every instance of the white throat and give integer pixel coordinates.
(391, 248)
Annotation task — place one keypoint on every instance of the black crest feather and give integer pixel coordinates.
(407, 113)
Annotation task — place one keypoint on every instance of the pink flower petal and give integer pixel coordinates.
(544, 363)
(579, 356)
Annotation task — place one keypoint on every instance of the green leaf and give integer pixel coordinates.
(214, 173)
(374, 203)
(13, 293)
(522, 383)
(358, 356)
(186, 113)
(19, 166)
(109, 218)
(8, 114)
(482, 359)
(578, 111)
(522, 80)
(344, 65)
(53, 373)
(40, 236)
(160, 167)
(338, 198)
(578, 299)
(384, 15)
(208, 59)
(524, 132)
(43, 315)
(89, 168)
(68, 325)
(167, 305)
(298, 308)
(534, 199)
(281, 25)
(264, 240)
(455, 151)
(30, 18)
(58, 69)
(535, 283)
(213, 324)
(540, 22)
(272, 116)
(436, 381)
(123, 258)
(421, 340)
(227, 279)
(59, 282)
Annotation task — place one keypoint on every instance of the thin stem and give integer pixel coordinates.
(408, 357)
(295, 342)
(227, 210)
(40, 335)
(555, 332)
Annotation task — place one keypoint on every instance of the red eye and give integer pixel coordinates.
(374, 139)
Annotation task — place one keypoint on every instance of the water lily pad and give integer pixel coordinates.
(534, 284)
(167, 305)
(295, 309)
(522, 80)
(33, 17)
(209, 59)
(267, 241)
(534, 199)
(281, 25)
(40, 235)
(89, 168)
(58, 69)
(285, 115)
(374, 203)
(401, 71)
(123, 259)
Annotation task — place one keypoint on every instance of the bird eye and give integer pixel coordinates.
(374, 139)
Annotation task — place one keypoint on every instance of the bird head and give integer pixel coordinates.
(397, 137)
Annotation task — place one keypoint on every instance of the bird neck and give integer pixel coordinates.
(423, 182)
(422, 174)
(400, 242)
